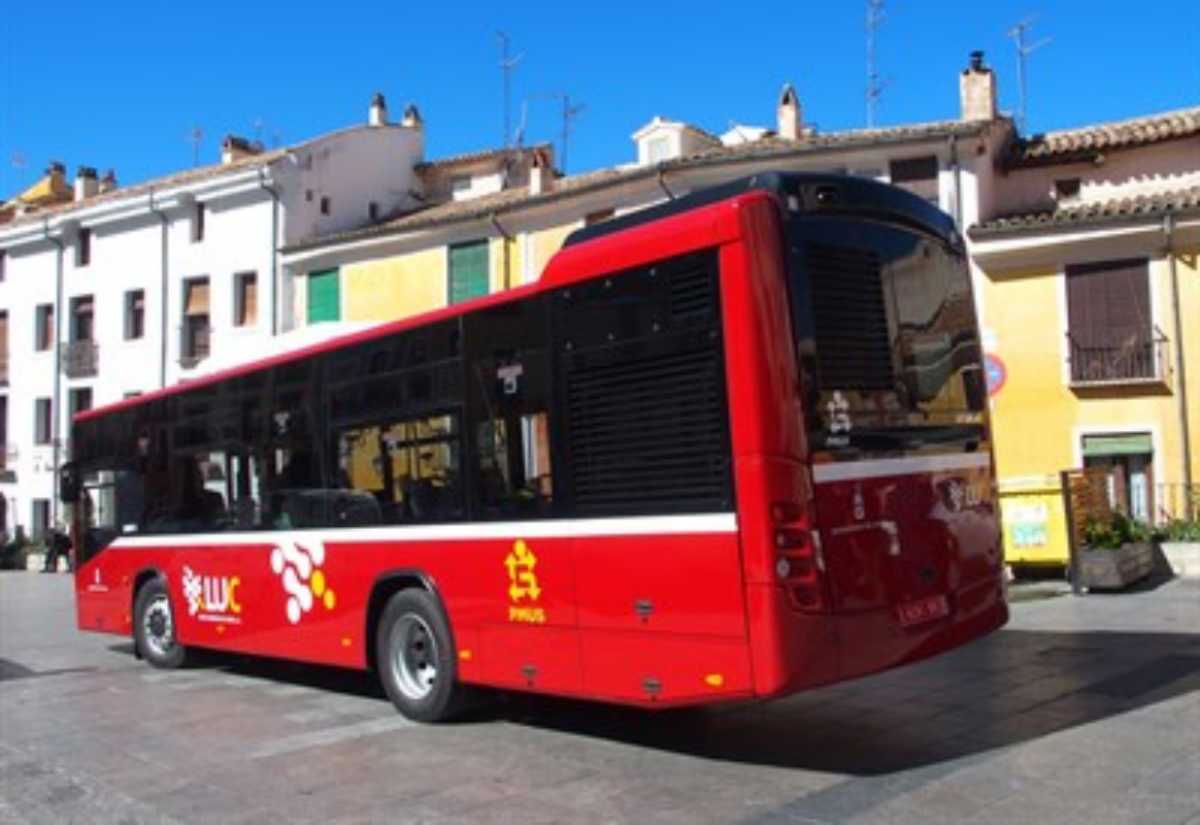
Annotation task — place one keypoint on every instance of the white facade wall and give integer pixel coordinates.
(352, 168)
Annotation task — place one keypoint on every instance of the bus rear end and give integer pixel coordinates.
(870, 495)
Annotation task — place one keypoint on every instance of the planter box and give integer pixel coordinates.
(1183, 556)
(1115, 569)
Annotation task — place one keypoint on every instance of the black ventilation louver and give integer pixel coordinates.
(643, 386)
(850, 316)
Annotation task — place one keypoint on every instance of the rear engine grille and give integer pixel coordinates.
(850, 316)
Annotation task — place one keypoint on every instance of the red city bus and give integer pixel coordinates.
(732, 446)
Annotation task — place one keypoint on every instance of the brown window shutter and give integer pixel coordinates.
(249, 299)
(4, 336)
(197, 298)
(1108, 303)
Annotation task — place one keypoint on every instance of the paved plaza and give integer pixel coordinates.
(1081, 710)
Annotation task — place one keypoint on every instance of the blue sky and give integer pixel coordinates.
(121, 85)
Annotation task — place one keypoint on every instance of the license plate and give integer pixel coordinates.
(923, 610)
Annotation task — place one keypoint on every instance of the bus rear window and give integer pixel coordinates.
(887, 339)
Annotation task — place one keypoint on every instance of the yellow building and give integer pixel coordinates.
(1089, 299)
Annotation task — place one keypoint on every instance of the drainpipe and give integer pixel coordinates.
(1169, 231)
(262, 183)
(507, 240)
(56, 404)
(662, 183)
(957, 167)
(163, 314)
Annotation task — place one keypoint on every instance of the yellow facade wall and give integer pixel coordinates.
(395, 287)
(546, 243)
(1039, 420)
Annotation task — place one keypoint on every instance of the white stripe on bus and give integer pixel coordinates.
(881, 467)
(548, 528)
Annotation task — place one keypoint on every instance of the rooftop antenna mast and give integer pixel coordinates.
(875, 84)
(196, 137)
(1024, 49)
(569, 113)
(507, 64)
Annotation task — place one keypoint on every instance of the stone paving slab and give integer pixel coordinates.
(1081, 710)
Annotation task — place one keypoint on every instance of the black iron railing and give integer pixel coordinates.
(81, 359)
(1119, 357)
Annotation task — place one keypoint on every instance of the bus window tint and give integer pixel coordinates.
(400, 472)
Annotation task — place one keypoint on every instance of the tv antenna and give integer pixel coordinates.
(568, 113)
(195, 137)
(507, 64)
(1024, 49)
(875, 83)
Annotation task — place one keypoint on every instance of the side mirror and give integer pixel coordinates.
(68, 484)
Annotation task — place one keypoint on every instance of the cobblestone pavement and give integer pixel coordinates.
(1081, 710)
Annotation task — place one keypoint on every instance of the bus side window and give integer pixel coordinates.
(408, 471)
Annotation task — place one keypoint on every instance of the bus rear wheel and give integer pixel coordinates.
(416, 658)
(154, 626)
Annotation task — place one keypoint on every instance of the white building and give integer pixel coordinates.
(106, 292)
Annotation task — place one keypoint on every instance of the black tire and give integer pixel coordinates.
(154, 630)
(416, 659)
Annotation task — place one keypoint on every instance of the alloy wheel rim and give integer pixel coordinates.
(414, 657)
(159, 629)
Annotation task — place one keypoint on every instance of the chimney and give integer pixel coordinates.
(57, 173)
(541, 175)
(85, 183)
(234, 148)
(977, 90)
(109, 182)
(789, 122)
(378, 113)
(412, 117)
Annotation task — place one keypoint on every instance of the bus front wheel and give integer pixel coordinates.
(416, 659)
(154, 626)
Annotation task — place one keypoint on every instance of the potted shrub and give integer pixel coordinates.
(1179, 541)
(1116, 553)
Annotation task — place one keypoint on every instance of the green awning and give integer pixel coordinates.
(1124, 444)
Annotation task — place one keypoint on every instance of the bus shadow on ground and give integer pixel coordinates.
(1012, 687)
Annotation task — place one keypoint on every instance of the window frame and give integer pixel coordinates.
(240, 281)
(43, 421)
(135, 331)
(43, 328)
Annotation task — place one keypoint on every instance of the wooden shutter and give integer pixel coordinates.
(1108, 303)
(468, 271)
(248, 305)
(4, 336)
(324, 296)
(196, 302)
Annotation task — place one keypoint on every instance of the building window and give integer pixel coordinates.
(43, 330)
(131, 394)
(308, 195)
(83, 248)
(1129, 460)
(194, 346)
(3, 347)
(324, 296)
(197, 222)
(917, 175)
(245, 299)
(468, 273)
(42, 421)
(82, 318)
(372, 211)
(135, 314)
(4, 449)
(3, 262)
(1111, 334)
(599, 216)
(79, 400)
(40, 522)
(1066, 188)
(460, 184)
(658, 149)
(326, 205)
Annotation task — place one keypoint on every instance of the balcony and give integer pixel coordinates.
(81, 359)
(1127, 357)
(194, 344)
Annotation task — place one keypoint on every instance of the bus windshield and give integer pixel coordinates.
(886, 337)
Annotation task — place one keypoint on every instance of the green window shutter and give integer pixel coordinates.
(324, 296)
(1126, 444)
(468, 271)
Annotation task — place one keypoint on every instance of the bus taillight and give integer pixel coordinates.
(799, 563)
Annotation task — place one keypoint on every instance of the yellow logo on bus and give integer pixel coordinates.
(523, 589)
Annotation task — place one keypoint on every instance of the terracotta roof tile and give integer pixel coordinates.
(1128, 207)
(1088, 141)
(474, 157)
